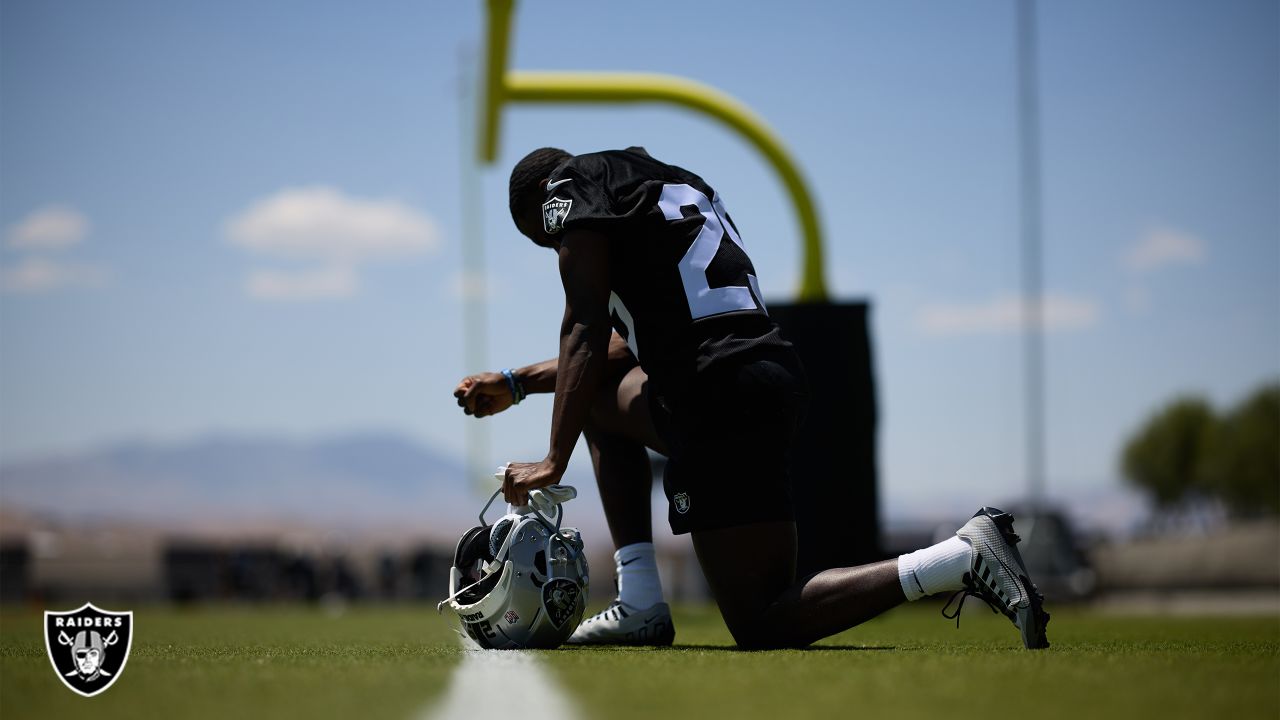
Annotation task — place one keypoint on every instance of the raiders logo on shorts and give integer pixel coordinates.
(88, 646)
(682, 502)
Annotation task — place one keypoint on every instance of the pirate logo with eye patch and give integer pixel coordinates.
(88, 646)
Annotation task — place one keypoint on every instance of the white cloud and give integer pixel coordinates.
(322, 223)
(36, 275)
(321, 283)
(332, 233)
(52, 227)
(1005, 314)
(1163, 246)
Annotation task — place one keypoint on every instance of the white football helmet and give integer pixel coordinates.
(522, 581)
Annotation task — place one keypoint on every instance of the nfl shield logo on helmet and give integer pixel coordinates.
(88, 646)
(554, 211)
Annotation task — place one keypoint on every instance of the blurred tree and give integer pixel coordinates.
(1242, 458)
(1166, 456)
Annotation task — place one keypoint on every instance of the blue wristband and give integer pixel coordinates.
(517, 390)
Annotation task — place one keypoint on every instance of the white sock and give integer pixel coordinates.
(638, 585)
(935, 569)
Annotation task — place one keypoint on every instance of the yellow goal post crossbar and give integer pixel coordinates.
(502, 87)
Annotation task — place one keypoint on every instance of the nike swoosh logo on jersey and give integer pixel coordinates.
(553, 185)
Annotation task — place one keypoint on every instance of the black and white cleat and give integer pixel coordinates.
(618, 625)
(999, 577)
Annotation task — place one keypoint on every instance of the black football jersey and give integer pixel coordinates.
(684, 294)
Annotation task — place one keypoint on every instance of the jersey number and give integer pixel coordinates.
(703, 299)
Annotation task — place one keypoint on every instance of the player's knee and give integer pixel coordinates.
(764, 633)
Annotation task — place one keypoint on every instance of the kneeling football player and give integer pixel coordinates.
(666, 343)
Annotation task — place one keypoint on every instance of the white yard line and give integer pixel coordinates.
(501, 683)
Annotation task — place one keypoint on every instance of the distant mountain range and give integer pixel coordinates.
(355, 481)
(370, 483)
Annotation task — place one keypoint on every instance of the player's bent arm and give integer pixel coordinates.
(584, 339)
(488, 394)
(541, 377)
(584, 344)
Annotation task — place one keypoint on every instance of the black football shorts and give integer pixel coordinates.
(730, 437)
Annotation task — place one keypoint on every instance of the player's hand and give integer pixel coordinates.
(483, 394)
(523, 477)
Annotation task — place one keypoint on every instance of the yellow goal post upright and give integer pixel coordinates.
(503, 86)
(807, 322)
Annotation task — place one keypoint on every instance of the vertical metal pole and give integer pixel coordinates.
(1032, 290)
(475, 325)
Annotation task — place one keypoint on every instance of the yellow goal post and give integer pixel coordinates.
(502, 86)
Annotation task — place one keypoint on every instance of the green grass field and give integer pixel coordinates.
(393, 662)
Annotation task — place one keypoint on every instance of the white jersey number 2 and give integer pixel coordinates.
(703, 299)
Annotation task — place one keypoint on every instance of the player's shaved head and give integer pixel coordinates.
(527, 177)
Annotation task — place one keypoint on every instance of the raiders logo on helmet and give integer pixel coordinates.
(561, 599)
(88, 646)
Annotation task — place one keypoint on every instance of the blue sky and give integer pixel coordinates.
(155, 159)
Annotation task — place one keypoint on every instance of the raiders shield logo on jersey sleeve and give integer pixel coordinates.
(554, 211)
(88, 646)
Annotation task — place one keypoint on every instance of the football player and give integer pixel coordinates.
(666, 343)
